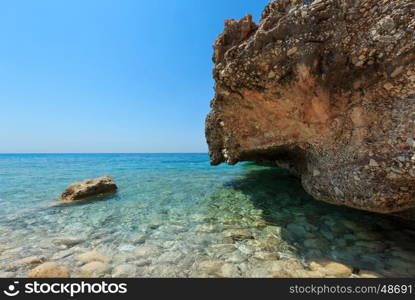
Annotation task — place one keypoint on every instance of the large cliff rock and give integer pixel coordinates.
(327, 90)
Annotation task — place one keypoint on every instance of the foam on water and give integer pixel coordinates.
(188, 214)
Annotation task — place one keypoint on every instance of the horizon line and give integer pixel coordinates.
(2, 153)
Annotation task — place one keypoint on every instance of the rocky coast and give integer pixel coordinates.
(326, 90)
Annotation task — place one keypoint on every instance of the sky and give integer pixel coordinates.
(109, 76)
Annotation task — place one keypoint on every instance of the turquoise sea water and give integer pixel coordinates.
(176, 216)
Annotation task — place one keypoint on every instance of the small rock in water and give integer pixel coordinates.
(236, 257)
(245, 249)
(172, 257)
(238, 234)
(284, 268)
(296, 229)
(373, 245)
(31, 260)
(206, 228)
(7, 274)
(89, 188)
(229, 271)
(141, 262)
(352, 225)
(94, 269)
(144, 252)
(66, 241)
(369, 274)
(315, 243)
(263, 255)
(124, 271)
(139, 239)
(93, 256)
(331, 268)
(368, 236)
(49, 270)
(210, 267)
(126, 247)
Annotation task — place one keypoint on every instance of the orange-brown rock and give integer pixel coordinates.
(326, 90)
(49, 270)
(89, 188)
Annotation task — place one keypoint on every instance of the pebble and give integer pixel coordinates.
(145, 252)
(7, 274)
(49, 270)
(296, 229)
(141, 262)
(247, 250)
(172, 257)
(368, 274)
(292, 51)
(93, 256)
(263, 255)
(210, 267)
(331, 268)
(373, 163)
(238, 234)
(126, 247)
(125, 271)
(352, 225)
(229, 271)
(31, 260)
(94, 269)
(66, 241)
(374, 245)
(236, 257)
(139, 239)
(315, 243)
(368, 235)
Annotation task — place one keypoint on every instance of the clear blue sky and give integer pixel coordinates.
(109, 75)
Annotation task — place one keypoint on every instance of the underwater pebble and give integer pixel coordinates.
(93, 256)
(49, 270)
(145, 252)
(94, 269)
(66, 241)
(124, 271)
(331, 269)
(238, 234)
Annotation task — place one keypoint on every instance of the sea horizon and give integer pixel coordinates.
(75, 153)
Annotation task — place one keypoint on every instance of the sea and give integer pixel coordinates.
(176, 216)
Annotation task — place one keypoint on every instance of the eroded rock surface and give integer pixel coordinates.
(89, 188)
(326, 90)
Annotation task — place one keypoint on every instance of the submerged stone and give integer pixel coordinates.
(93, 256)
(331, 268)
(94, 269)
(49, 270)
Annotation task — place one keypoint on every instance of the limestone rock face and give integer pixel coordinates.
(327, 90)
(89, 188)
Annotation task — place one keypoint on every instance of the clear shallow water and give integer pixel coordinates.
(176, 216)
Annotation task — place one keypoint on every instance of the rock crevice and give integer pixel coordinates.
(327, 90)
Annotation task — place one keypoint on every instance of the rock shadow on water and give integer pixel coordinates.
(320, 231)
